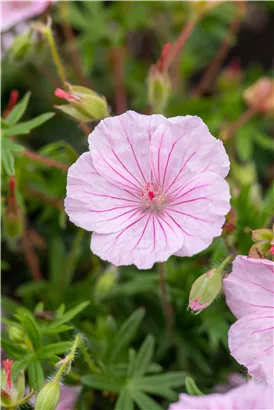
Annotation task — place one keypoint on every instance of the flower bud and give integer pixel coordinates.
(48, 397)
(206, 288)
(264, 241)
(84, 104)
(105, 283)
(261, 96)
(158, 90)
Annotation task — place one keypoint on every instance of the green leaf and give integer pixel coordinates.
(56, 264)
(32, 330)
(124, 401)
(7, 147)
(162, 384)
(18, 110)
(70, 314)
(47, 352)
(144, 356)
(25, 127)
(21, 364)
(102, 383)
(59, 329)
(35, 375)
(191, 387)
(13, 350)
(145, 402)
(126, 332)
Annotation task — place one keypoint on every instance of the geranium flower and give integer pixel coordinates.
(249, 291)
(249, 396)
(150, 187)
(14, 12)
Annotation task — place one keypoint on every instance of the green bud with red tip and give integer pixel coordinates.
(264, 243)
(84, 104)
(206, 288)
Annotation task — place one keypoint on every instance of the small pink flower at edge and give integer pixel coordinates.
(249, 295)
(150, 187)
(7, 367)
(249, 396)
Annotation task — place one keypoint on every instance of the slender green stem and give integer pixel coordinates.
(71, 260)
(61, 371)
(88, 359)
(55, 55)
(167, 308)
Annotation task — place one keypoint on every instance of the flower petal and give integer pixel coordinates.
(251, 343)
(249, 396)
(199, 208)
(95, 204)
(147, 239)
(120, 149)
(250, 286)
(181, 148)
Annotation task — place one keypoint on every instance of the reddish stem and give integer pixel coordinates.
(117, 58)
(179, 44)
(46, 161)
(31, 258)
(14, 96)
(218, 59)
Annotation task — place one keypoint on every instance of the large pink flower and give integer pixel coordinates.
(249, 291)
(150, 187)
(249, 396)
(14, 12)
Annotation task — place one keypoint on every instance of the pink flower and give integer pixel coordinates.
(14, 12)
(150, 187)
(249, 396)
(250, 296)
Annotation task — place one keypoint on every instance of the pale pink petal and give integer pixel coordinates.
(250, 286)
(251, 343)
(182, 148)
(120, 150)
(199, 208)
(246, 397)
(147, 239)
(95, 204)
(13, 12)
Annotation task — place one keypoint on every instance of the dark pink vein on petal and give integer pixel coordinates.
(125, 213)
(191, 216)
(159, 157)
(143, 232)
(123, 165)
(175, 179)
(112, 197)
(192, 189)
(110, 209)
(129, 226)
(154, 234)
(176, 223)
(164, 232)
(134, 154)
(190, 200)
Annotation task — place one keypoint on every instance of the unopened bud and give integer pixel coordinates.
(206, 288)
(105, 283)
(262, 235)
(261, 96)
(84, 104)
(264, 241)
(158, 89)
(48, 397)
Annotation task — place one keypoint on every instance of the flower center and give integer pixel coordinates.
(152, 197)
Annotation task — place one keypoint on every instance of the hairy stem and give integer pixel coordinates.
(55, 54)
(167, 308)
